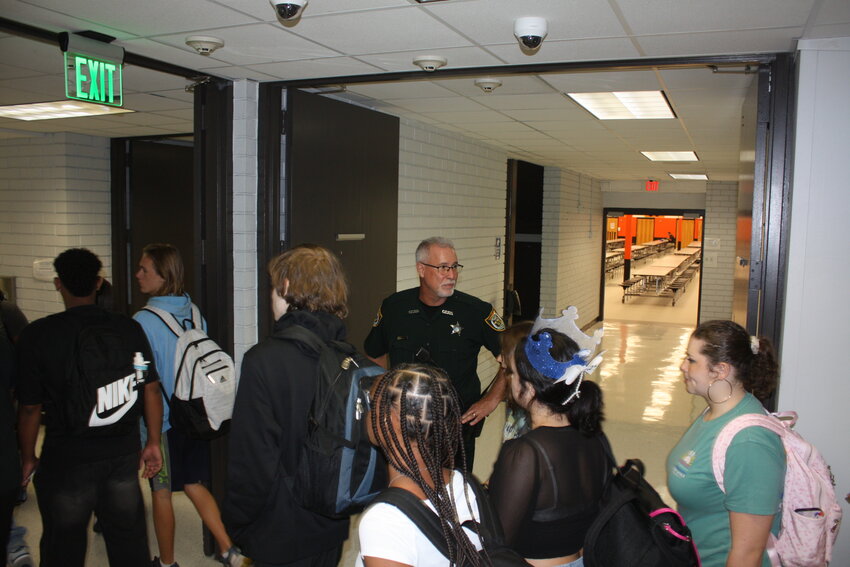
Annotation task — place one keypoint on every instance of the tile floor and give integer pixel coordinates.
(646, 406)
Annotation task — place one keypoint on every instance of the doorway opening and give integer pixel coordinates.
(652, 266)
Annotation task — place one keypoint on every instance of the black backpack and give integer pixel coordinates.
(634, 527)
(102, 389)
(489, 528)
(339, 470)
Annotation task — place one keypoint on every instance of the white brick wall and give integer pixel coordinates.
(454, 187)
(721, 206)
(245, 99)
(572, 241)
(54, 195)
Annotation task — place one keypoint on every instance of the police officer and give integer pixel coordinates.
(436, 324)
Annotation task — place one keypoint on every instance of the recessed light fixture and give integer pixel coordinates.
(58, 109)
(689, 176)
(625, 105)
(671, 156)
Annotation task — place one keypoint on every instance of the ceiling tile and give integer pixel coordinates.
(662, 16)
(719, 43)
(315, 68)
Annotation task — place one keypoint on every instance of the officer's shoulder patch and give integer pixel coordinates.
(494, 321)
(378, 318)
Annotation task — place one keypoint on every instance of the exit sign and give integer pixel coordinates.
(93, 79)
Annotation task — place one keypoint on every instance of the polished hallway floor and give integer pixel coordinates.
(646, 408)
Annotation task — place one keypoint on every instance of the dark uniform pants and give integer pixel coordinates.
(67, 496)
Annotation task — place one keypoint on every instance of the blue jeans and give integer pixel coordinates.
(577, 563)
(67, 496)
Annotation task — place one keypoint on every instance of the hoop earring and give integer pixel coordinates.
(727, 398)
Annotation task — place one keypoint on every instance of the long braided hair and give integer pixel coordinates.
(427, 408)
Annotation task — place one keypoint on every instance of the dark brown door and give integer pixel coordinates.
(343, 194)
(159, 207)
(524, 238)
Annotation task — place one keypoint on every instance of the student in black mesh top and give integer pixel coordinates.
(546, 484)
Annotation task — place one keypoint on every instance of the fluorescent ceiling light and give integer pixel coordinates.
(671, 156)
(58, 109)
(626, 105)
(689, 176)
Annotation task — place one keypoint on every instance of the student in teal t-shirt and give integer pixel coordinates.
(728, 368)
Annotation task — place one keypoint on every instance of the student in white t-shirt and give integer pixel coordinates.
(415, 419)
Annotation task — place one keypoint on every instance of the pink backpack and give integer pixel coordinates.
(810, 514)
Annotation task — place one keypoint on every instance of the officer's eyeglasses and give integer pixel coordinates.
(444, 269)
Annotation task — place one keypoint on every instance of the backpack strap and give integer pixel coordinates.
(417, 512)
(197, 320)
(490, 527)
(301, 335)
(778, 423)
(428, 522)
(168, 319)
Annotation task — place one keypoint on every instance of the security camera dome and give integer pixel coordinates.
(530, 31)
(288, 9)
(531, 41)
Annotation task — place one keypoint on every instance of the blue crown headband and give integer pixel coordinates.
(537, 350)
(540, 358)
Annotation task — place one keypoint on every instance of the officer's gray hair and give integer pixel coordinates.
(425, 246)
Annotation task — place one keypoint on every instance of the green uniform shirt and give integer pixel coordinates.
(754, 479)
(449, 336)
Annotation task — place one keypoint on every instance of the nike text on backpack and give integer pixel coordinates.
(634, 527)
(204, 379)
(428, 522)
(810, 515)
(339, 470)
(102, 387)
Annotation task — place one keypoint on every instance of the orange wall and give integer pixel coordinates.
(663, 226)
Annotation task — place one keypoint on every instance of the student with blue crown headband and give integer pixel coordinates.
(547, 484)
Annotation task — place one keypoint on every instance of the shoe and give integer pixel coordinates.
(20, 558)
(157, 563)
(234, 558)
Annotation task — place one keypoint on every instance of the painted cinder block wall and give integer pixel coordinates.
(54, 195)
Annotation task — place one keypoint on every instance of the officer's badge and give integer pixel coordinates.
(495, 322)
(378, 318)
(456, 328)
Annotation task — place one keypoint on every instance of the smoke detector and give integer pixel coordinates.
(429, 62)
(488, 85)
(204, 44)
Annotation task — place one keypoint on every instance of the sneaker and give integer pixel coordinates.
(234, 558)
(157, 563)
(20, 557)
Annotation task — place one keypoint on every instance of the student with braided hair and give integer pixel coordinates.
(415, 418)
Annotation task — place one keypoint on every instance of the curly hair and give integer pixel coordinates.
(316, 279)
(429, 413)
(78, 270)
(729, 342)
(583, 411)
